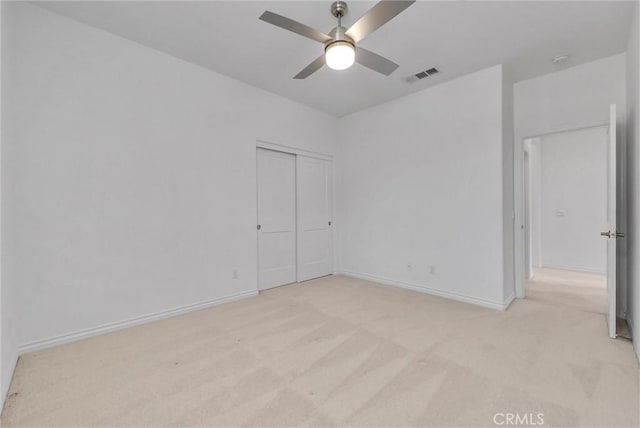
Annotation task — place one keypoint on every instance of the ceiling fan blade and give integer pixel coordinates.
(376, 17)
(294, 26)
(311, 68)
(375, 62)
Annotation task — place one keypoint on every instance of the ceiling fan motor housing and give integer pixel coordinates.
(338, 35)
(339, 8)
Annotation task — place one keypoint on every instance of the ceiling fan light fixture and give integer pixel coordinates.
(340, 55)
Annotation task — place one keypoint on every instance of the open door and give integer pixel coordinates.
(611, 235)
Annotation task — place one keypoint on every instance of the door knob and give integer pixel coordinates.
(259, 227)
(610, 234)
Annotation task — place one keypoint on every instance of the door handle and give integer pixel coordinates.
(610, 234)
(329, 223)
(259, 227)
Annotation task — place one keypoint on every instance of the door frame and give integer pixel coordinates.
(263, 144)
(612, 208)
(519, 201)
(527, 217)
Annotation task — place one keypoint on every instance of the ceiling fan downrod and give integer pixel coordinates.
(339, 9)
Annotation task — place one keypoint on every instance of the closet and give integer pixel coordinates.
(295, 206)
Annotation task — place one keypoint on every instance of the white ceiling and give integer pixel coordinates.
(457, 37)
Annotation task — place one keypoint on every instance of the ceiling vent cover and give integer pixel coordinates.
(427, 73)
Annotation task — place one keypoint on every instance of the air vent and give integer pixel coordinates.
(421, 75)
(427, 73)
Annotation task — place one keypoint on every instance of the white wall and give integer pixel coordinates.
(508, 209)
(128, 177)
(8, 347)
(573, 98)
(8, 305)
(419, 182)
(573, 200)
(633, 189)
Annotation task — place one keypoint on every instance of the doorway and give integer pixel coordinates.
(294, 217)
(565, 180)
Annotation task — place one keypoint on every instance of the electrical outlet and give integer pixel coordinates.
(234, 274)
(432, 270)
(409, 266)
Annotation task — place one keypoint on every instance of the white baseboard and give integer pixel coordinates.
(440, 293)
(9, 379)
(508, 301)
(106, 328)
(573, 268)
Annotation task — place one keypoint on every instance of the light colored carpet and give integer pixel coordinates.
(579, 290)
(336, 351)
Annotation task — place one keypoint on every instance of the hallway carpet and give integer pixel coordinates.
(580, 290)
(337, 351)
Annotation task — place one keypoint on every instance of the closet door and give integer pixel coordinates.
(276, 218)
(315, 208)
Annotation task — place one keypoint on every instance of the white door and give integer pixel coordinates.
(315, 237)
(611, 234)
(276, 218)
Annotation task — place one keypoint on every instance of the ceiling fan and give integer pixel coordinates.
(340, 51)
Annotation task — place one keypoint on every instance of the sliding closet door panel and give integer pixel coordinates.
(276, 218)
(315, 237)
